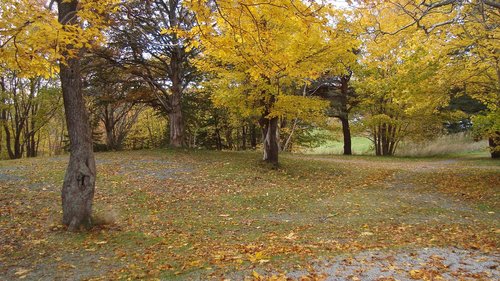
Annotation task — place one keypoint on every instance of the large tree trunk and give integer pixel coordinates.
(270, 140)
(79, 181)
(347, 136)
(176, 69)
(110, 138)
(176, 122)
(175, 115)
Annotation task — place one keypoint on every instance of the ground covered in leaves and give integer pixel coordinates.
(177, 215)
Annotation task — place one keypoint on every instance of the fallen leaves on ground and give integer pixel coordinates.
(184, 213)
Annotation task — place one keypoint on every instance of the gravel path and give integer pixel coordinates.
(425, 264)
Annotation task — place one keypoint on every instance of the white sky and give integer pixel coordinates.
(339, 3)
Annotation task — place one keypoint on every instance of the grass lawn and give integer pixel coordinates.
(359, 145)
(203, 214)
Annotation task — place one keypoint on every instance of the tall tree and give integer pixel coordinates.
(27, 105)
(468, 30)
(341, 95)
(258, 53)
(79, 181)
(117, 98)
(403, 82)
(33, 40)
(154, 40)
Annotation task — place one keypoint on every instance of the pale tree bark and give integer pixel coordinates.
(79, 181)
(270, 137)
(270, 140)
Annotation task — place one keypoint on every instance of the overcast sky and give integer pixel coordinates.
(339, 3)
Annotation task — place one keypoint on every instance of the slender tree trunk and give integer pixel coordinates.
(151, 138)
(218, 139)
(494, 143)
(376, 140)
(37, 143)
(14, 148)
(79, 181)
(253, 136)
(109, 125)
(393, 139)
(18, 150)
(346, 131)
(288, 143)
(270, 140)
(243, 137)
(229, 138)
(347, 136)
(2, 89)
(385, 140)
(8, 141)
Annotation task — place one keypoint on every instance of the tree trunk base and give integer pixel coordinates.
(78, 192)
(176, 129)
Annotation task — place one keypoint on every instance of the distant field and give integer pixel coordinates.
(457, 145)
(360, 146)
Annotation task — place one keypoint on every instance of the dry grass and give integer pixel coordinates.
(445, 145)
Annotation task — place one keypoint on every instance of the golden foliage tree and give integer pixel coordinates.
(260, 53)
(36, 40)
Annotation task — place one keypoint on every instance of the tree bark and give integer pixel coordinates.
(270, 140)
(229, 138)
(253, 136)
(345, 114)
(347, 136)
(176, 122)
(385, 139)
(109, 125)
(7, 141)
(176, 70)
(79, 181)
(218, 139)
(494, 143)
(243, 138)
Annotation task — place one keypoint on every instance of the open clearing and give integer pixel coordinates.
(211, 215)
